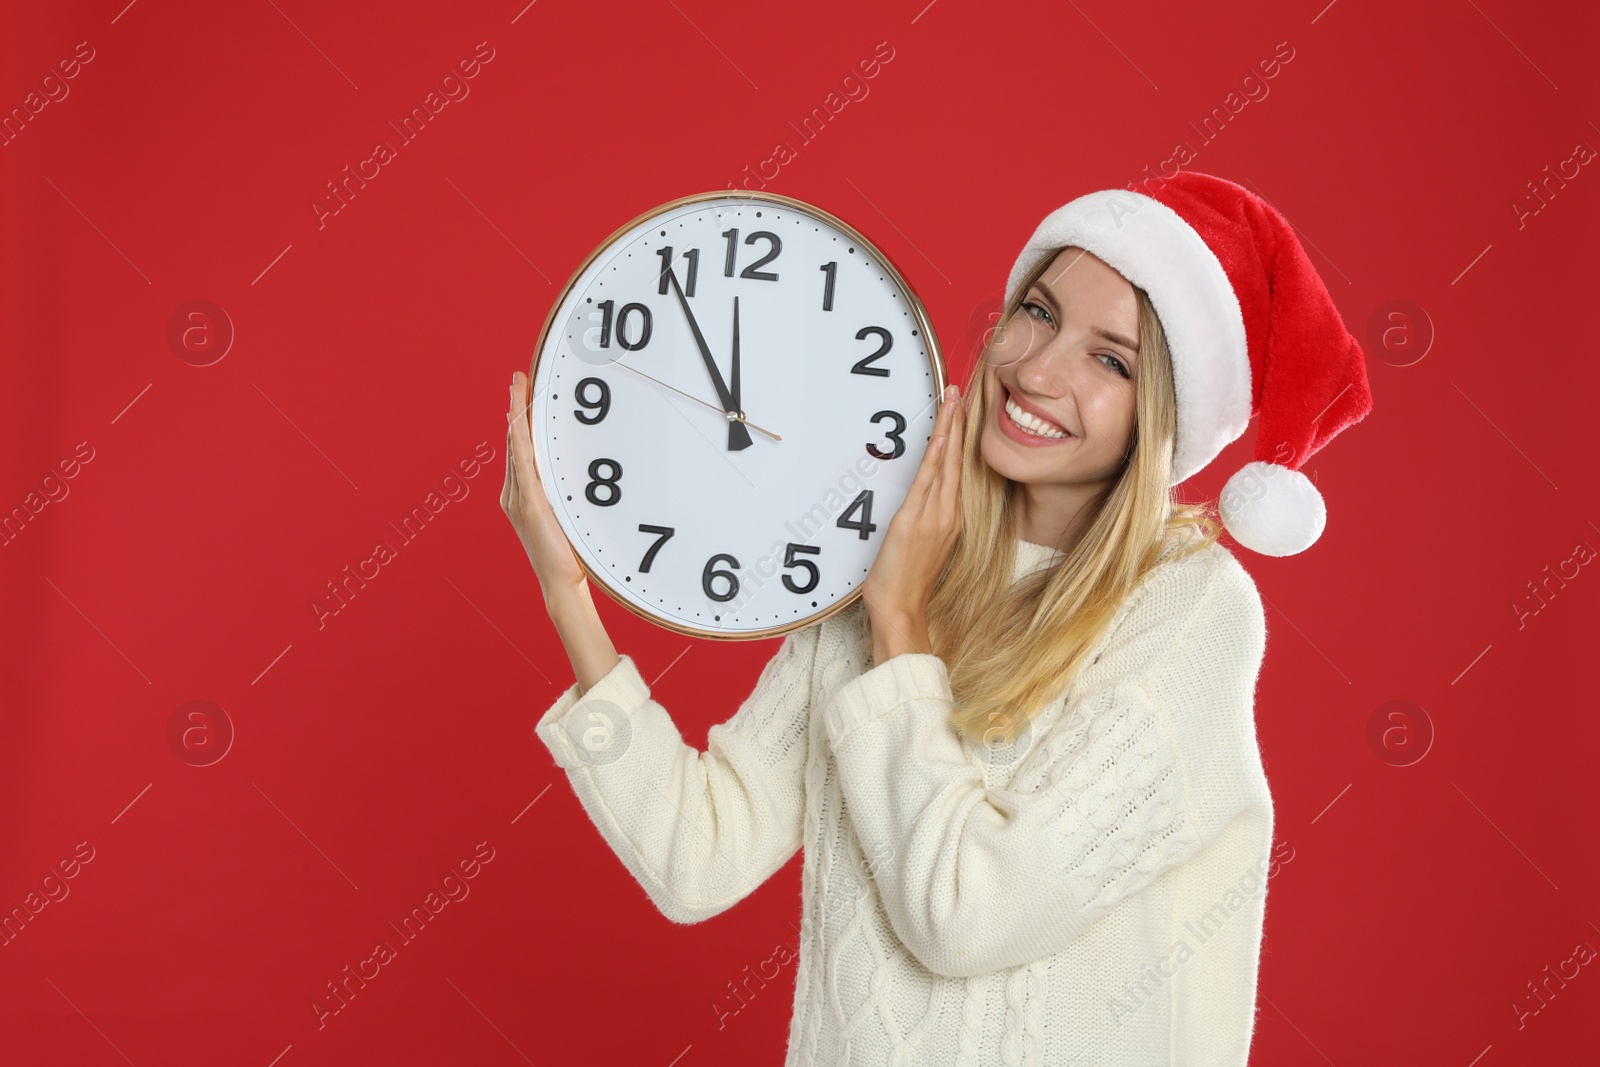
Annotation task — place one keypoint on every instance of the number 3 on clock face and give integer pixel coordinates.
(731, 399)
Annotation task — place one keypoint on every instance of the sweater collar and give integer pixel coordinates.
(1032, 557)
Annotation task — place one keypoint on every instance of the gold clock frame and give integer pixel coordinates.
(919, 313)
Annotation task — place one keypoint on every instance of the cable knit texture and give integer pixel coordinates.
(1091, 894)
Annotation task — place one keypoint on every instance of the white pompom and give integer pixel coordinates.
(1272, 510)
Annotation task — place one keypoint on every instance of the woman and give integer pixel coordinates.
(1023, 765)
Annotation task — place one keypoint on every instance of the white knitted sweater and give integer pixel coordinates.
(1090, 895)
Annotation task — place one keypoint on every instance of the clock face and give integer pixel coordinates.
(726, 527)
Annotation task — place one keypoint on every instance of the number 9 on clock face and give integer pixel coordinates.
(731, 399)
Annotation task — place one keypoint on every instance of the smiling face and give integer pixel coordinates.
(1068, 356)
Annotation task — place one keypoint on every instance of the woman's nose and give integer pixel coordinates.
(1046, 371)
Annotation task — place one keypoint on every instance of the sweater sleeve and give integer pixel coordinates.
(977, 880)
(698, 830)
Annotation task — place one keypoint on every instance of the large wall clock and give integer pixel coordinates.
(731, 399)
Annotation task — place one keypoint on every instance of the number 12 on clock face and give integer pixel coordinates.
(731, 399)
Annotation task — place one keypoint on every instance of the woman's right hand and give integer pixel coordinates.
(523, 500)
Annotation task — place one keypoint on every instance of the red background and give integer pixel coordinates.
(375, 751)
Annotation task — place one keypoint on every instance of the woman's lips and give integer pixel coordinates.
(1017, 433)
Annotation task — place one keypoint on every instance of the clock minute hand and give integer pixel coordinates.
(738, 436)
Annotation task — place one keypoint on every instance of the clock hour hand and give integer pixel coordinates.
(733, 372)
(738, 435)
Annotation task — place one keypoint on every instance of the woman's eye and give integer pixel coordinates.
(1116, 363)
(1120, 368)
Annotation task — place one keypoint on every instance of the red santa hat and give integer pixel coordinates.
(1252, 331)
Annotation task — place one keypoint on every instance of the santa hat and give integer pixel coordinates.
(1252, 331)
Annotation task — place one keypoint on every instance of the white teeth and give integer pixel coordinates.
(1030, 422)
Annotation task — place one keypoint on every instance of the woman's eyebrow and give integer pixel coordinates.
(1099, 331)
(1115, 338)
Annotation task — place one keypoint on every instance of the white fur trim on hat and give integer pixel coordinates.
(1271, 509)
(1154, 248)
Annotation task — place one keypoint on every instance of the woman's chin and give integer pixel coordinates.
(1011, 461)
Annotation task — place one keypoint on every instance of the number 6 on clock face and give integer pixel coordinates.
(731, 399)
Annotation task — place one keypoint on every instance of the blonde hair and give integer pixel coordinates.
(1012, 648)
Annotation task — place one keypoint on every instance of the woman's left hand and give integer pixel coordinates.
(919, 541)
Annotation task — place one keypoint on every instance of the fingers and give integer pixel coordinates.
(948, 440)
(508, 491)
(949, 481)
(932, 459)
(522, 477)
(520, 449)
